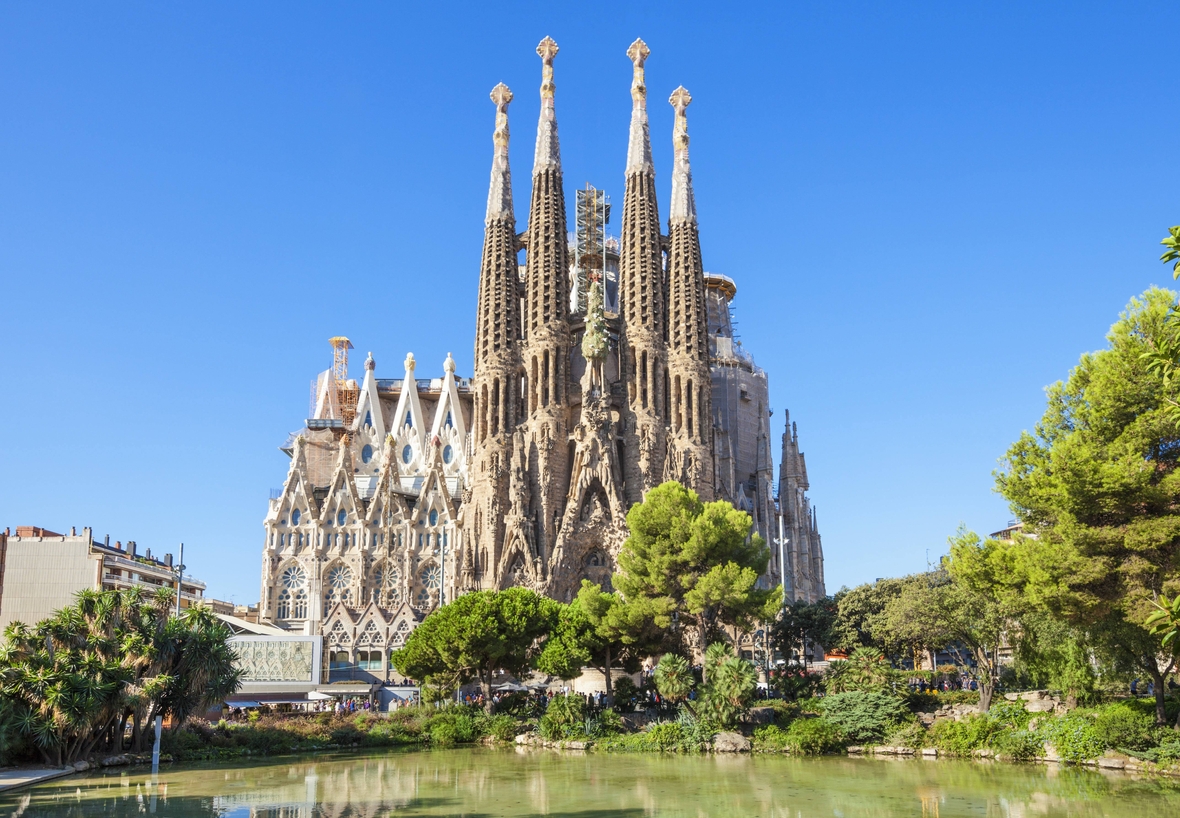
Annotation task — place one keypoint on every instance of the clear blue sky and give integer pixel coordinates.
(930, 212)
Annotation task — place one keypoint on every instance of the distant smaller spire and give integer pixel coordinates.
(370, 364)
(639, 144)
(684, 206)
(500, 188)
(548, 152)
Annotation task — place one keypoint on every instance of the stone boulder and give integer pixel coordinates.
(760, 715)
(730, 743)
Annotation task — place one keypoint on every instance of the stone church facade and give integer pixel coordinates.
(403, 493)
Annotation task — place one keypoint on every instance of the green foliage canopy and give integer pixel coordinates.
(74, 681)
(1098, 484)
(476, 635)
(696, 561)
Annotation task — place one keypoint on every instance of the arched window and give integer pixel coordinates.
(339, 586)
(449, 422)
(407, 454)
(409, 419)
(433, 517)
(366, 453)
(448, 453)
(292, 603)
(341, 517)
(368, 422)
(295, 515)
(387, 590)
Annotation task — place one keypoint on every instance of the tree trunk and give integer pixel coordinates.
(121, 731)
(610, 690)
(485, 685)
(987, 684)
(1158, 681)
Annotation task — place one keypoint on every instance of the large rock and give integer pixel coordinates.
(730, 743)
(761, 715)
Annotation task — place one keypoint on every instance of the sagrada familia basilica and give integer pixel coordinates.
(602, 369)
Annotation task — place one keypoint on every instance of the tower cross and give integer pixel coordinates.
(638, 52)
(547, 50)
(680, 100)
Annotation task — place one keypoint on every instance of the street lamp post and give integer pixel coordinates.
(179, 578)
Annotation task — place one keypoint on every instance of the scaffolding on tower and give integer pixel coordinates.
(593, 259)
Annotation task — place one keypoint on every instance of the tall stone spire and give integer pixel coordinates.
(639, 141)
(690, 442)
(497, 354)
(498, 319)
(641, 299)
(546, 349)
(500, 189)
(684, 206)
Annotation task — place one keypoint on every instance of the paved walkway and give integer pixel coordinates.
(16, 778)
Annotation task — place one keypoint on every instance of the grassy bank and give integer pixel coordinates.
(282, 734)
(819, 726)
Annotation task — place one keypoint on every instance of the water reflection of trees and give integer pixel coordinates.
(486, 782)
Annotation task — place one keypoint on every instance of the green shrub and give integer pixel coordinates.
(624, 691)
(911, 734)
(501, 727)
(666, 736)
(864, 717)
(962, 738)
(452, 726)
(1123, 727)
(813, 737)
(784, 712)
(930, 700)
(865, 671)
(564, 718)
(770, 739)
(1009, 714)
(610, 722)
(1073, 737)
(1017, 745)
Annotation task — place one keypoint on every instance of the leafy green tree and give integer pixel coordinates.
(673, 677)
(1172, 242)
(730, 686)
(1098, 483)
(74, 681)
(801, 623)
(594, 631)
(865, 671)
(695, 563)
(905, 626)
(1054, 654)
(859, 615)
(476, 635)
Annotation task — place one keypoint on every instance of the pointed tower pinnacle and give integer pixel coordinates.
(684, 206)
(498, 319)
(497, 353)
(690, 443)
(547, 266)
(639, 144)
(548, 153)
(500, 189)
(544, 375)
(642, 300)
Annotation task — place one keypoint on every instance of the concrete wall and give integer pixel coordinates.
(41, 575)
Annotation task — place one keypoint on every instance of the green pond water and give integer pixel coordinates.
(486, 782)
